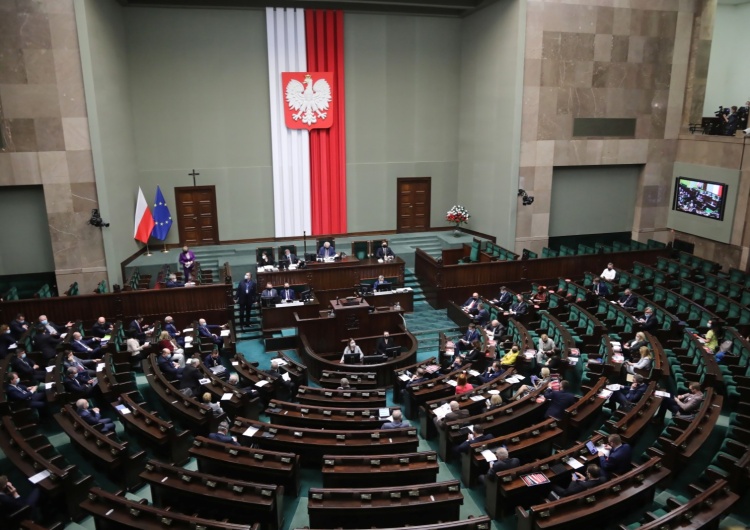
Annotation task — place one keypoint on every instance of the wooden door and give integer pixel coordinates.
(413, 211)
(196, 215)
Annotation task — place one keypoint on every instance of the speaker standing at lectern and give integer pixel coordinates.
(326, 251)
(352, 349)
(384, 252)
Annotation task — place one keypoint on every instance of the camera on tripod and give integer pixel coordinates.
(96, 219)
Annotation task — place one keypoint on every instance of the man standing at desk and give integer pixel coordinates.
(245, 296)
(352, 348)
(326, 251)
(287, 293)
(384, 252)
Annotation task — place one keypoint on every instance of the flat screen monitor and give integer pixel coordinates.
(306, 295)
(351, 358)
(375, 359)
(700, 197)
(365, 289)
(385, 287)
(393, 351)
(267, 301)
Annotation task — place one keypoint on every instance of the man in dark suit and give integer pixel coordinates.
(170, 369)
(627, 299)
(140, 330)
(397, 423)
(46, 342)
(384, 252)
(579, 483)
(482, 318)
(206, 331)
(93, 416)
(6, 341)
(79, 385)
(170, 328)
(172, 281)
(278, 379)
(519, 307)
(191, 377)
(648, 322)
(474, 437)
(475, 353)
(627, 398)
(419, 377)
(269, 291)
(471, 305)
(491, 373)
(619, 458)
(26, 368)
(384, 343)
(380, 281)
(559, 400)
(287, 293)
(245, 296)
(496, 330)
(52, 328)
(87, 367)
(599, 288)
(288, 258)
(87, 348)
(31, 395)
(465, 342)
(326, 251)
(212, 360)
(19, 326)
(11, 501)
(503, 463)
(101, 328)
(504, 299)
(456, 413)
(223, 435)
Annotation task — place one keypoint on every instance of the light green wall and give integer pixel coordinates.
(199, 88)
(593, 200)
(402, 94)
(490, 108)
(27, 247)
(101, 35)
(695, 224)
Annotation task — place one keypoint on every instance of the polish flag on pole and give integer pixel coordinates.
(144, 221)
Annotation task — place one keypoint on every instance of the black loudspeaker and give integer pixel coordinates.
(683, 246)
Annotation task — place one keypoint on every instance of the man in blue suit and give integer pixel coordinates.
(471, 305)
(620, 456)
(288, 258)
(19, 326)
(287, 293)
(559, 400)
(384, 252)
(627, 398)
(397, 423)
(477, 436)
(504, 299)
(26, 368)
(170, 328)
(78, 384)
(88, 348)
(172, 281)
(491, 373)
(15, 391)
(599, 288)
(648, 322)
(464, 343)
(93, 417)
(223, 435)
(206, 331)
(326, 251)
(245, 296)
(170, 369)
(482, 318)
(627, 299)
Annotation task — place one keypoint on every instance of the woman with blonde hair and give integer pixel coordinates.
(644, 363)
(536, 382)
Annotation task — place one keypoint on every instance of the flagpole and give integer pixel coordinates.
(148, 252)
(165, 251)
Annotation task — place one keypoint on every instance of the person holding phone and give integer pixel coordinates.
(11, 500)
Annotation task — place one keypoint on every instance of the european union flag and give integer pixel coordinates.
(162, 217)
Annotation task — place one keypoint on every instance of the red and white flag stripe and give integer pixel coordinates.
(144, 221)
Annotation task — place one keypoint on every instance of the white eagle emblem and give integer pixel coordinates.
(309, 100)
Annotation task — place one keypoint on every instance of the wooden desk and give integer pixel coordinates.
(327, 417)
(476, 523)
(379, 470)
(282, 315)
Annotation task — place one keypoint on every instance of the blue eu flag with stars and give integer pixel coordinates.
(162, 217)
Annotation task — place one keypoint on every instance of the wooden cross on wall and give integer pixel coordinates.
(193, 174)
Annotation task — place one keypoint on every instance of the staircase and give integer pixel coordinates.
(254, 331)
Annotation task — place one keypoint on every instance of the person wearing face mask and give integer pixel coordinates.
(51, 327)
(287, 293)
(19, 326)
(101, 328)
(384, 252)
(6, 340)
(46, 343)
(82, 366)
(380, 282)
(187, 260)
(170, 328)
(26, 368)
(351, 348)
(206, 331)
(245, 297)
(31, 395)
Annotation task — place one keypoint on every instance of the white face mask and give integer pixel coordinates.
(351, 345)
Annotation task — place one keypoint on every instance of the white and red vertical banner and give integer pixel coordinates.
(306, 72)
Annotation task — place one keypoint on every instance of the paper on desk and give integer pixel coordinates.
(204, 381)
(280, 362)
(614, 387)
(122, 409)
(442, 410)
(225, 332)
(488, 455)
(36, 479)
(227, 396)
(512, 379)
(187, 330)
(286, 377)
(473, 372)
(250, 431)
(263, 382)
(188, 345)
(605, 394)
(404, 377)
(235, 363)
(572, 360)
(477, 398)
(13, 346)
(63, 335)
(452, 382)
(50, 368)
(575, 464)
(661, 393)
(189, 338)
(99, 367)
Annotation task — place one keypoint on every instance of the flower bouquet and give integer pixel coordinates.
(457, 215)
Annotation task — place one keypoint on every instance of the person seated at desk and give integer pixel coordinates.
(187, 260)
(206, 330)
(632, 348)
(456, 413)
(87, 367)
(648, 322)
(599, 288)
(579, 483)
(93, 417)
(269, 292)
(26, 368)
(463, 386)
(644, 362)
(170, 328)
(714, 333)
(222, 435)
(509, 359)
(140, 330)
(419, 377)
(265, 260)
(475, 353)
(166, 341)
(46, 343)
(540, 296)
(396, 423)
(519, 307)
(326, 251)
(351, 349)
(380, 282)
(627, 300)
(79, 385)
(536, 382)
(212, 360)
(287, 293)
(275, 374)
(504, 299)
(11, 501)
(478, 435)
(190, 383)
(234, 380)
(383, 343)
(19, 326)
(465, 342)
(101, 328)
(344, 384)
(495, 401)
(173, 282)
(215, 407)
(169, 368)
(684, 405)
(384, 252)
(135, 348)
(491, 373)
(616, 456)
(482, 318)
(457, 364)
(559, 400)
(6, 340)
(546, 349)
(51, 327)
(495, 331)
(471, 306)
(626, 398)
(609, 273)
(289, 258)
(32, 396)
(503, 463)
(87, 347)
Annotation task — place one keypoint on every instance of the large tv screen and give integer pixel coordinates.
(700, 197)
